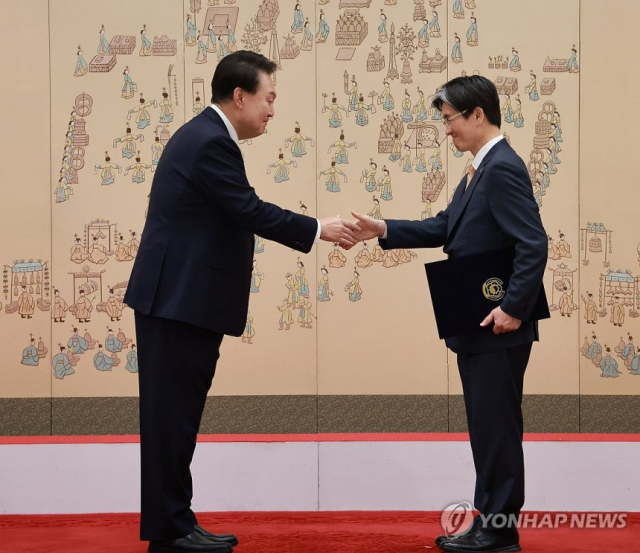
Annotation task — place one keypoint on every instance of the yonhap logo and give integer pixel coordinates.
(457, 518)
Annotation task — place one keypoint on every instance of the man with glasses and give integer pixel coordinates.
(492, 208)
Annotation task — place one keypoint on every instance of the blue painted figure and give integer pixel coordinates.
(507, 110)
(635, 364)
(369, 177)
(103, 44)
(423, 34)
(190, 35)
(166, 109)
(518, 119)
(281, 167)
(222, 49)
(609, 366)
(129, 87)
(332, 183)
(132, 360)
(297, 141)
(81, 64)
(396, 149)
(406, 107)
(145, 43)
(323, 29)
(107, 170)
(353, 95)
(472, 33)
(456, 51)
(405, 161)
(256, 278)
(298, 19)
(101, 361)
(420, 108)
(77, 344)
(61, 365)
(384, 184)
(201, 56)
(458, 9)
(307, 37)
(435, 160)
(231, 39)
(211, 43)
(572, 65)
(353, 287)
(532, 88)
(302, 280)
(385, 98)
(362, 118)
(383, 36)
(341, 155)
(324, 293)
(434, 26)
(30, 354)
(421, 164)
(514, 64)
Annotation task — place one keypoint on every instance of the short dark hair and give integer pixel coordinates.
(240, 69)
(467, 93)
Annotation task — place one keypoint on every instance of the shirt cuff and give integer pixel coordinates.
(318, 232)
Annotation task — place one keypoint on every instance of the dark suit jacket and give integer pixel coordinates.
(497, 210)
(196, 251)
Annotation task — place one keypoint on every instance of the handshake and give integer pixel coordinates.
(347, 234)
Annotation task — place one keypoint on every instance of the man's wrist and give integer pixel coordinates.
(383, 230)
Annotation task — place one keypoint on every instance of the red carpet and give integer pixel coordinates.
(353, 532)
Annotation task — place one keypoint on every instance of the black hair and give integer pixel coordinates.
(239, 70)
(467, 93)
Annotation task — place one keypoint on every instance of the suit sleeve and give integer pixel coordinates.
(430, 233)
(220, 175)
(515, 210)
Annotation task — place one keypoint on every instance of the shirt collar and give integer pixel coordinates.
(485, 150)
(232, 132)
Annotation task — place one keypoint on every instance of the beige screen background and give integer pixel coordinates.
(371, 348)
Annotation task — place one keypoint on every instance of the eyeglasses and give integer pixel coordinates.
(447, 120)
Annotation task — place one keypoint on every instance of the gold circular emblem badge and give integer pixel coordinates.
(493, 289)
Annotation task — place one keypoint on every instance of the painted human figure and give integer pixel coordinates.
(60, 307)
(386, 99)
(97, 252)
(507, 110)
(132, 360)
(138, 170)
(61, 365)
(420, 161)
(375, 213)
(435, 161)
(26, 304)
(83, 308)
(384, 185)
(472, 32)
(332, 183)
(324, 292)
(30, 354)
(590, 309)
(293, 287)
(609, 365)
(458, 9)
(353, 287)
(281, 167)
(286, 318)
(572, 65)
(307, 37)
(298, 19)
(369, 176)
(201, 55)
(129, 88)
(145, 43)
(114, 307)
(337, 259)
(362, 118)
(101, 361)
(363, 258)
(434, 26)
(396, 148)
(341, 155)
(335, 117)
(231, 39)
(565, 303)
(113, 345)
(323, 29)
(514, 64)
(249, 332)
(383, 36)
(256, 278)
(190, 35)
(81, 64)
(406, 161)
(77, 344)
(103, 43)
(166, 108)
(143, 119)
(128, 142)
(297, 141)
(617, 312)
(406, 107)
(212, 41)
(456, 51)
(423, 34)
(518, 119)
(156, 150)
(302, 280)
(532, 87)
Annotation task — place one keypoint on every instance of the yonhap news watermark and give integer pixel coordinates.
(458, 518)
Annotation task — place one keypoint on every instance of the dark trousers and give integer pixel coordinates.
(177, 362)
(492, 385)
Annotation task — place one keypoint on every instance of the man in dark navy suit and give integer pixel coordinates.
(190, 286)
(493, 207)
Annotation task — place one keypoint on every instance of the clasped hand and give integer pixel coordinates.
(340, 231)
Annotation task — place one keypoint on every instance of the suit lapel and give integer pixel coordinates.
(463, 198)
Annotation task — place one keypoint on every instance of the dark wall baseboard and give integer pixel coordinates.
(313, 414)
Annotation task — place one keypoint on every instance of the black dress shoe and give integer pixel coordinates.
(193, 543)
(224, 538)
(480, 541)
(474, 524)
